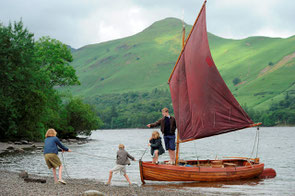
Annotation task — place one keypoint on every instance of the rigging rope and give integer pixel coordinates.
(96, 156)
(196, 153)
(92, 155)
(195, 148)
(256, 143)
(143, 153)
(63, 159)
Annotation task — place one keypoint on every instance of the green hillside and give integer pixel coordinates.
(138, 63)
(143, 62)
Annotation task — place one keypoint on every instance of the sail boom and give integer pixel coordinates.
(192, 139)
(256, 124)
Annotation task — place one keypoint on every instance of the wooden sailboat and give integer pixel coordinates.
(203, 107)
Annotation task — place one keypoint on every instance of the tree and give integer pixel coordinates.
(270, 63)
(81, 117)
(21, 101)
(236, 81)
(291, 119)
(29, 72)
(54, 58)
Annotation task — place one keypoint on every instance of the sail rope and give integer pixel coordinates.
(256, 143)
(99, 156)
(195, 148)
(66, 170)
(196, 154)
(94, 156)
(143, 153)
(91, 155)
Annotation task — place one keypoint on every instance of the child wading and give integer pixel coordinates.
(122, 161)
(156, 146)
(50, 154)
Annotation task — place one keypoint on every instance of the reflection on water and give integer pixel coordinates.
(176, 185)
(96, 158)
(204, 187)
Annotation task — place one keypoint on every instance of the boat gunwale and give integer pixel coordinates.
(202, 169)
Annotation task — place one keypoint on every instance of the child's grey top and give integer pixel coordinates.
(122, 157)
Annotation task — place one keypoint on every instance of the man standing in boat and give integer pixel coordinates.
(168, 127)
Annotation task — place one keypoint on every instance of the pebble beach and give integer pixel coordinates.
(12, 184)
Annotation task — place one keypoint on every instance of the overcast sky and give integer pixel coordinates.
(82, 22)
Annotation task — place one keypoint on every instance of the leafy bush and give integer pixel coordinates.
(236, 81)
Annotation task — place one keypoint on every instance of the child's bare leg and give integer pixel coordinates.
(127, 178)
(156, 157)
(60, 172)
(110, 177)
(54, 174)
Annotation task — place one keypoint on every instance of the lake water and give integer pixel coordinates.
(95, 159)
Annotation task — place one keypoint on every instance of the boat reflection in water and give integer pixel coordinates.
(220, 184)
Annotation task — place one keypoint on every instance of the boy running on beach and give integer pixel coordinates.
(50, 154)
(122, 161)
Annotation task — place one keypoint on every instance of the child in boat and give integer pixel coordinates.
(122, 160)
(157, 149)
(50, 154)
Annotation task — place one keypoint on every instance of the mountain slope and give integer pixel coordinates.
(142, 62)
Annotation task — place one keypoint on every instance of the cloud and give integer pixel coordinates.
(82, 22)
(243, 18)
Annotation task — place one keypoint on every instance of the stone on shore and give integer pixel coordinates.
(72, 140)
(93, 193)
(23, 174)
(10, 147)
(24, 142)
(19, 150)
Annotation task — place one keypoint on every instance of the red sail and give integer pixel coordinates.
(203, 104)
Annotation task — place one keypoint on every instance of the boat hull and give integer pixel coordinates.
(229, 170)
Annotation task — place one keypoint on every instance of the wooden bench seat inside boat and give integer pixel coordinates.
(230, 165)
(215, 163)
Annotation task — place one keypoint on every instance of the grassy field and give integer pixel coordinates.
(142, 62)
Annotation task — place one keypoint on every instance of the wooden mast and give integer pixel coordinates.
(183, 34)
(177, 149)
(177, 136)
(186, 41)
(183, 45)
